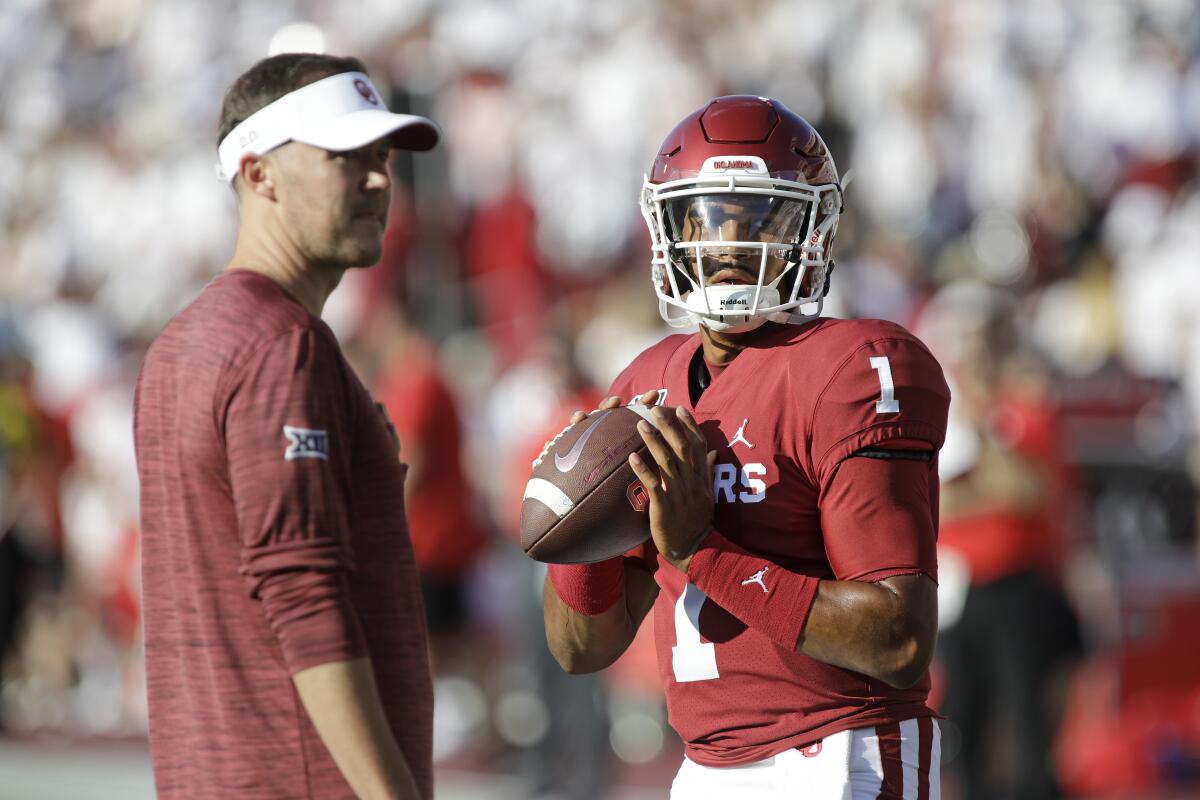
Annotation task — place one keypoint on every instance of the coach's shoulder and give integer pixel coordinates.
(239, 310)
(238, 315)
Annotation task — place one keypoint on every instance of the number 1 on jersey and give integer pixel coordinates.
(887, 402)
(692, 659)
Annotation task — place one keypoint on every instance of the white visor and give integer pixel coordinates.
(341, 112)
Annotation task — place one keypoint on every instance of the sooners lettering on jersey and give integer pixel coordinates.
(782, 417)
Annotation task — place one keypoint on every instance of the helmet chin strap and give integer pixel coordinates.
(745, 324)
(795, 317)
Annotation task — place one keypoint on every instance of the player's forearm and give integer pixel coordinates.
(583, 643)
(342, 701)
(885, 630)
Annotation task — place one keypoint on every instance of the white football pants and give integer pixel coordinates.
(900, 761)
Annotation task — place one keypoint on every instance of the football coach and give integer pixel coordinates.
(284, 634)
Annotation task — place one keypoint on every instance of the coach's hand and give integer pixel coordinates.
(679, 483)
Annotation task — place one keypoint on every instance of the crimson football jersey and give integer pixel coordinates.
(783, 416)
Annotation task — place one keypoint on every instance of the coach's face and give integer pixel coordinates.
(334, 205)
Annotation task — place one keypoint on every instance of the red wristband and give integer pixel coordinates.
(589, 589)
(763, 595)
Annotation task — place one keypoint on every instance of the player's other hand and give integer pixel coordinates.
(647, 399)
(678, 482)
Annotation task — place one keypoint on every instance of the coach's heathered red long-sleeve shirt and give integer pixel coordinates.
(273, 539)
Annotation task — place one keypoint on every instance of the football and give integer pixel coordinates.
(583, 503)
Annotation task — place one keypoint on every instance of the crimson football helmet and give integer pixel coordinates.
(742, 204)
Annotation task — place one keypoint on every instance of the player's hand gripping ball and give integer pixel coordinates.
(583, 502)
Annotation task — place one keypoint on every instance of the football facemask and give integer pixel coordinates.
(733, 246)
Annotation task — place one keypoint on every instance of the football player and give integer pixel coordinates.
(793, 489)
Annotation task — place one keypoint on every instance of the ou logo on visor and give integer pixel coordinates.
(365, 90)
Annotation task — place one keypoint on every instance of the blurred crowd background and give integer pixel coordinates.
(1024, 197)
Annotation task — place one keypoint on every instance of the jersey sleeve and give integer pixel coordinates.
(288, 436)
(886, 389)
(879, 519)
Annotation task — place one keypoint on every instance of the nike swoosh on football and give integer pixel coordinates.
(567, 463)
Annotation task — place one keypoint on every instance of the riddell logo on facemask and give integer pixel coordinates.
(734, 163)
(735, 302)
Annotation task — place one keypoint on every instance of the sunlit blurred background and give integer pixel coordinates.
(1024, 198)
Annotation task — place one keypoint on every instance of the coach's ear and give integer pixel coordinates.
(254, 172)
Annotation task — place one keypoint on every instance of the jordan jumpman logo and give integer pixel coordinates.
(758, 578)
(740, 436)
